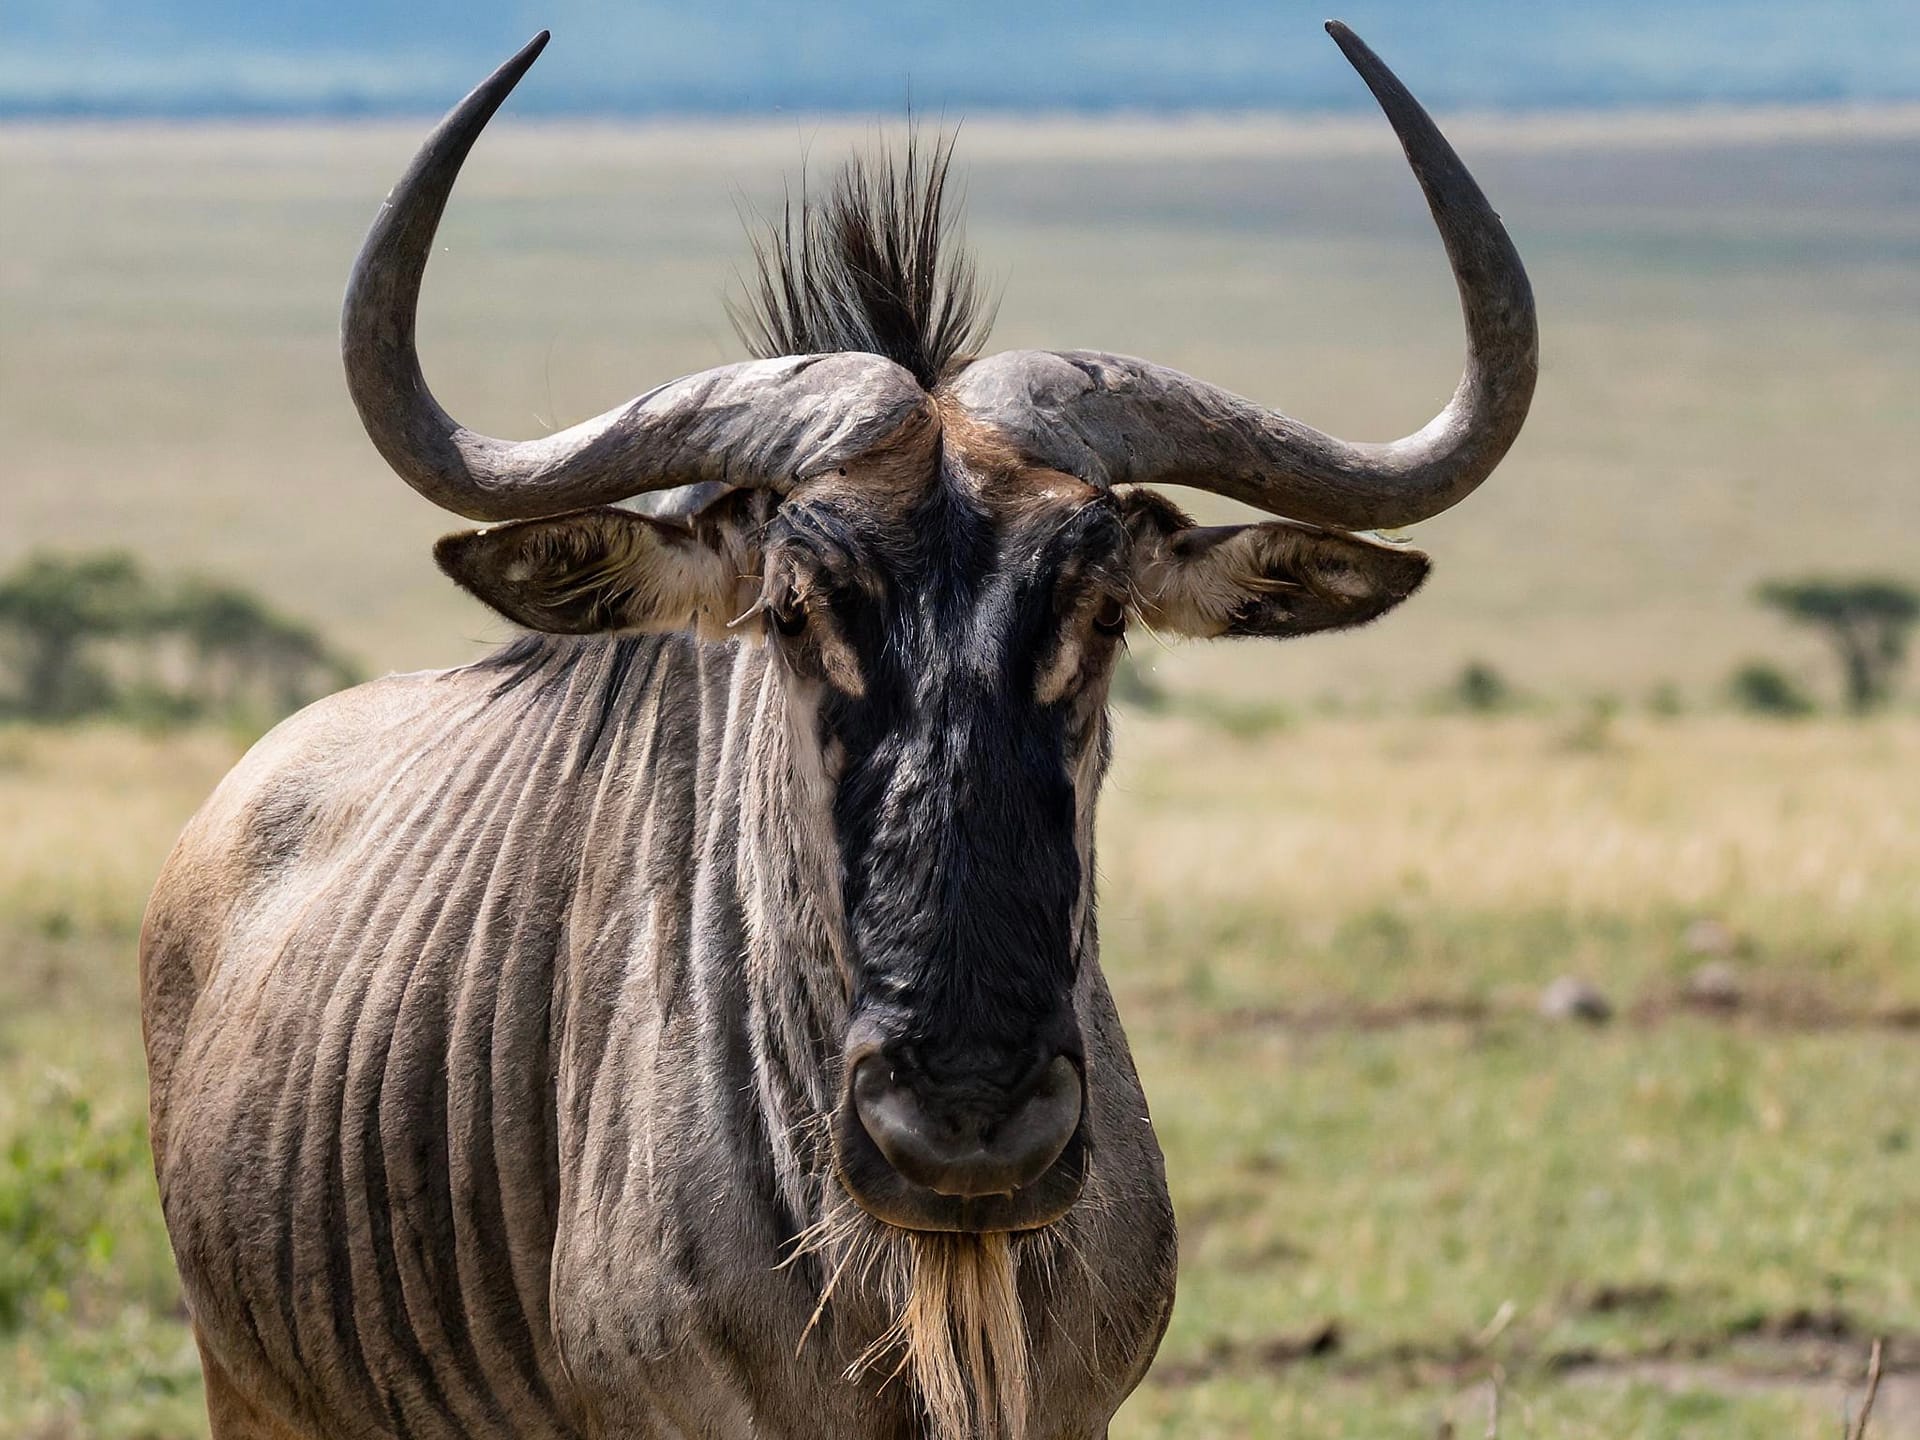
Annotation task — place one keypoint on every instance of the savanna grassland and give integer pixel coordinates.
(1392, 1175)
(1331, 904)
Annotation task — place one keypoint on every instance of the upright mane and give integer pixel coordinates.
(875, 268)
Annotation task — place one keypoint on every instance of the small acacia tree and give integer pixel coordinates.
(1868, 622)
(247, 655)
(53, 608)
(75, 628)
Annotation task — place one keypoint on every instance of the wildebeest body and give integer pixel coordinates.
(501, 1170)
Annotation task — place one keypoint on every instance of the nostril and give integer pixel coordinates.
(959, 1150)
(1039, 1130)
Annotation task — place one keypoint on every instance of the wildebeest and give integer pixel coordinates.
(688, 1022)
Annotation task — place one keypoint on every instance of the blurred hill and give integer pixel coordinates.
(1730, 322)
(240, 57)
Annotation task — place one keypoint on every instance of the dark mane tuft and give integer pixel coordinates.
(871, 269)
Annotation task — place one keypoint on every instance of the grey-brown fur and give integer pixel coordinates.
(454, 1013)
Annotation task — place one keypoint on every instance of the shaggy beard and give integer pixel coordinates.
(959, 1332)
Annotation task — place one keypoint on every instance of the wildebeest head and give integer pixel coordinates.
(942, 554)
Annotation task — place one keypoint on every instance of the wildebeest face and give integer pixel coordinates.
(943, 640)
(956, 654)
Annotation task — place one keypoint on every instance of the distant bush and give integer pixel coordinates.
(58, 1178)
(1241, 719)
(86, 635)
(1593, 731)
(1134, 685)
(1759, 688)
(1665, 701)
(1868, 621)
(1481, 689)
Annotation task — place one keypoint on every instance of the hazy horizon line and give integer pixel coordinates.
(1484, 127)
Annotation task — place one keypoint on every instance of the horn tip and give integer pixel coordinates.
(1351, 45)
(502, 81)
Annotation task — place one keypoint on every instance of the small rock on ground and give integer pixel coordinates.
(1716, 984)
(1571, 998)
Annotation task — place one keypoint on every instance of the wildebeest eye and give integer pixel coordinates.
(1111, 617)
(789, 622)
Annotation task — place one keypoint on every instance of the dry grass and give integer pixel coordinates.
(1803, 840)
(85, 818)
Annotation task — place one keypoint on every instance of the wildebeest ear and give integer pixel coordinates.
(601, 570)
(1275, 579)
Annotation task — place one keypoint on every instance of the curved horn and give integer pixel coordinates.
(1114, 420)
(761, 423)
